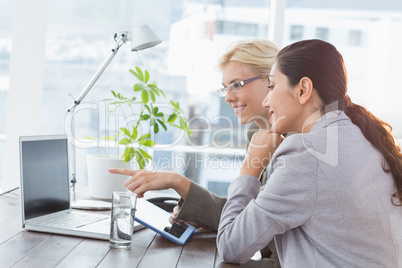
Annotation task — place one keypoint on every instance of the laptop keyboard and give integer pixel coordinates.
(74, 220)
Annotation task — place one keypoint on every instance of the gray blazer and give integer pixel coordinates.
(327, 203)
(205, 208)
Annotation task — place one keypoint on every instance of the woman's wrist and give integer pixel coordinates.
(181, 185)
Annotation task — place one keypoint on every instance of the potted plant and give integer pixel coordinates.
(146, 109)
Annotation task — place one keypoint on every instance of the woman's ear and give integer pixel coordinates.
(305, 90)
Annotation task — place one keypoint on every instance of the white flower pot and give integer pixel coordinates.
(101, 182)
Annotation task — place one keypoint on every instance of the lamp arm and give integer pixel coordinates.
(70, 112)
(98, 73)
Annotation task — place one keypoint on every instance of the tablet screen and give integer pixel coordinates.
(162, 222)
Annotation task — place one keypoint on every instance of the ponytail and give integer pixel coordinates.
(378, 133)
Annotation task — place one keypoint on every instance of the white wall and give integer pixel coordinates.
(24, 101)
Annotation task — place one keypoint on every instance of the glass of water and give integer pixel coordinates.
(122, 219)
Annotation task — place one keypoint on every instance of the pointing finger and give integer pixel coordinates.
(127, 172)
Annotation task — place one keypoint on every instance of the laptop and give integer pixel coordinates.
(45, 191)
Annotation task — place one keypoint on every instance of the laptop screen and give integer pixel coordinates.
(44, 175)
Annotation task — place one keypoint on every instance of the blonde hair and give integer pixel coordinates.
(259, 54)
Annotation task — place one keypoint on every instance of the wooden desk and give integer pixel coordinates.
(21, 248)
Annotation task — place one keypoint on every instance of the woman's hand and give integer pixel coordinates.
(142, 181)
(176, 212)
(260, 150)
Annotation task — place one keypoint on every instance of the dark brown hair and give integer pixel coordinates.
(323, 64)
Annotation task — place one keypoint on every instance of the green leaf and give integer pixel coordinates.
(188, 132)
(114, 93)
(135, 74)
(154, 88)
(128, 154)
(183, 123)
(144, 137)
(139, 87)
(176, 105)
(126, 131)
(162, 124)
(125, 141)
(163, 93)
(146, 76)
(152, 95)
(147, 143)
(144, 96)
(160, 114)
(145, 117)
(140, 73)
(140, 160)
(145, 154)
(89, 138)
(156, 128)
(109, 138)
(147, 107)
(135, 133)
(152, 121)
(172, 118)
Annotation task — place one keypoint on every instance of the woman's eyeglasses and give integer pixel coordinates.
(235, 86)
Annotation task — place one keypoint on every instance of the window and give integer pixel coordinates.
(322, 33)
(6, 11)
(358, 34)
(235, 28)
(219, 188)
(296, 32)
(355, 38)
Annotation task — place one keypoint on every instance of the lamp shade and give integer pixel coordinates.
(142, 37)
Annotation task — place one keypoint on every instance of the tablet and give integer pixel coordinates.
(162, 222)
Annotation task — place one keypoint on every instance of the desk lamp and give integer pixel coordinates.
(141, 37)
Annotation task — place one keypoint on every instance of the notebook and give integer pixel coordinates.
(45, 191)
